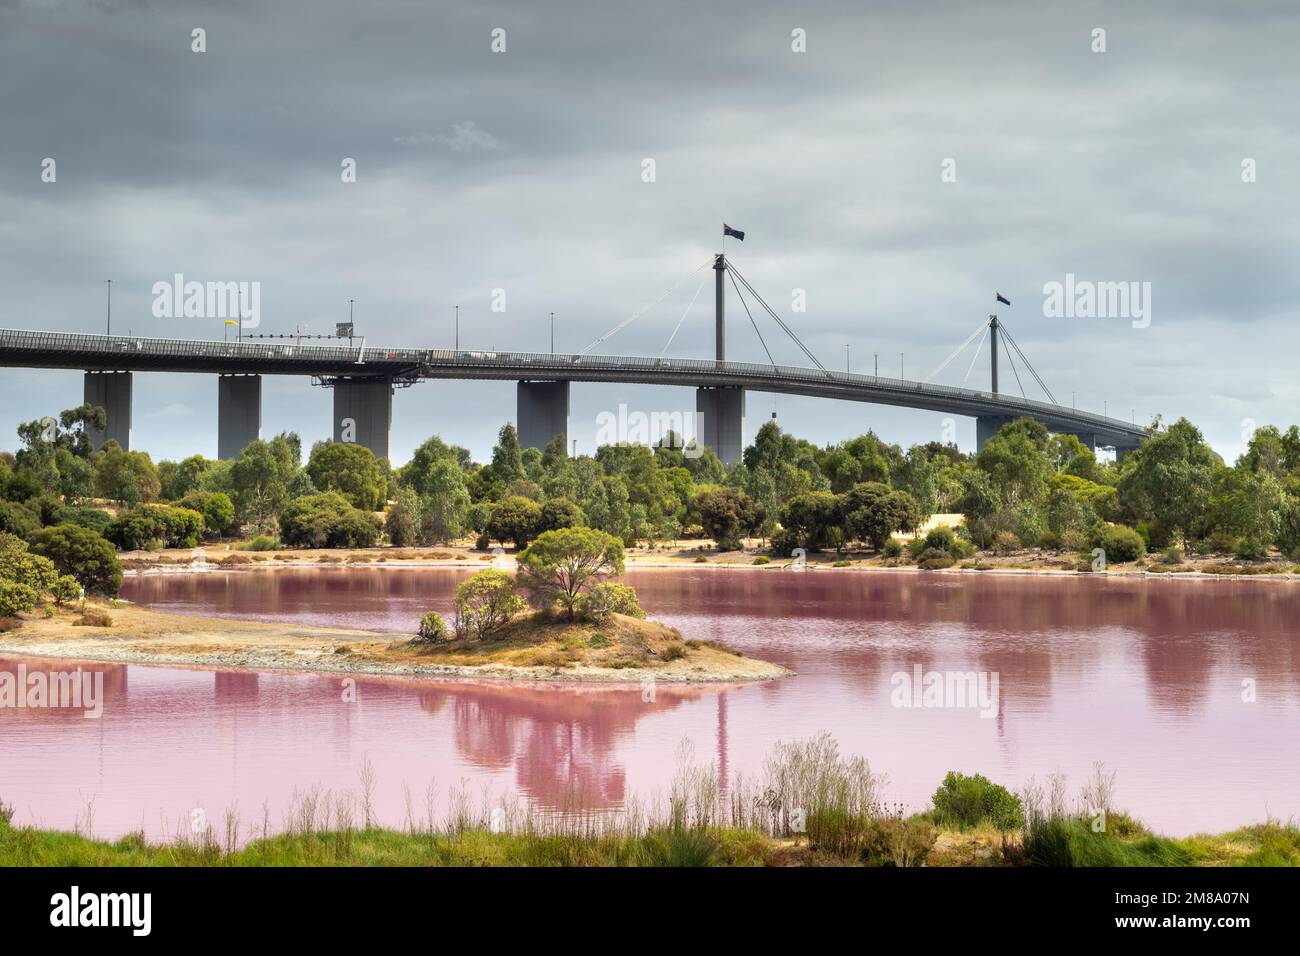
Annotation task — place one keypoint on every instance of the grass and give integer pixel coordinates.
(809, 806)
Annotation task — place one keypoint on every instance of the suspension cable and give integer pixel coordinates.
(1032, 370)
(636, 315)
(785, 328)
(1018, 382)
(751, 319)
(983, 326)
(684, 314)
(974, 358)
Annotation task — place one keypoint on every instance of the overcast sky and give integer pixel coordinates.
(523, 171)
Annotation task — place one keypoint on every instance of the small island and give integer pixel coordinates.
(558, 618)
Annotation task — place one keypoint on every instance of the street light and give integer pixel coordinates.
(552, 333)
(109, 318)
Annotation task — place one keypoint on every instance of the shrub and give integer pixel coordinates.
(897, 841)
(964, 801)
(148, 526)
(1050, 541)
(933, 559)
(1004, 542)
(784, 541)
(1251, 549)
(485, 603)
(65, 588)
(1172, 555)
(599, 641)
(92, 518)
(606, 599)
(83, 554)
(16, 598)
(1121, 544)
(941, 538)
(263, 542)
(93, 618)
(327, 520)
(1075, 541)
(20, 566)
(762, 559)
(893, 548)
(432, 628)
(672, 652)
(1223, 542)
(842, 564)
(701, 559)
(18, 519)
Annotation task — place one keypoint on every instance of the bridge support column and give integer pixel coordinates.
(542, 413)
(986, 426)
(112, 392)
(239, 413)
(1122, 453)
(363, 413)
(720, 421)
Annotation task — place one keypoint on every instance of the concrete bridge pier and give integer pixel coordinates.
(363, 413)
(986, 426)
(720, 421)
(542, 413)
(112, 392)
(239, 413)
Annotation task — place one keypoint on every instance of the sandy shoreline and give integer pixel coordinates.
(141, 636)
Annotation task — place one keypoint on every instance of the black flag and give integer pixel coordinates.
(728, 231)
(1002, 298)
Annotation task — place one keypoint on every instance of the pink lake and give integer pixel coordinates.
(1149, 676)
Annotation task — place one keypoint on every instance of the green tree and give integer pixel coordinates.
(485, 602)
(350, 469)
(1170, 478)
(515, 519)
(327, 520)
(723, 513)
(814, 517)
(83, 554)
(560, 565)
(260, 480)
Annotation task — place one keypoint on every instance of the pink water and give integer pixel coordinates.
(1146, 676)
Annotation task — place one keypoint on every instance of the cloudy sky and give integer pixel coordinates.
(523, 171)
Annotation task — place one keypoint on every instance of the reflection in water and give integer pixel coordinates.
(1145, 675)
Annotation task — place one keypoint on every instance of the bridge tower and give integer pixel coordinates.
(720, 412)
(986, 426)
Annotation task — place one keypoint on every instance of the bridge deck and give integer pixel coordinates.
(27, 349)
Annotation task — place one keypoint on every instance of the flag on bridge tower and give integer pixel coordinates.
(728, 231)
(1003, 299)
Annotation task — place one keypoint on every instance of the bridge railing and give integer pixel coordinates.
(126, 345)
(558, 363)
(541, 362)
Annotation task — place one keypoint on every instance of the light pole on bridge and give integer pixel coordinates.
(109, 316)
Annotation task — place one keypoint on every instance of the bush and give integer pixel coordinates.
(1121, 544)
(963, 802)
(1049, 541)
(92, 518)
(1223, 543)
(933, 559)
(762, 559)
(432, 628)
(606, 599)
(1251, 549)
(941, 538)
(65, 588)
(16, 598)
(263, 542)
(485, 603)
(83, 554)
(327, 520)
(151, 525)
(93, 618)
(784, 542)
(1004, 542)
(18, 519)
(1172, 555)
(893, 548)
(20, 566)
